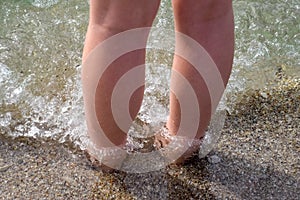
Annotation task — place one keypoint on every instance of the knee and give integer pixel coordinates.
(128, 14)
(203, 10)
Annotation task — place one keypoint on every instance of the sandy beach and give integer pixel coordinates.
(257, 157)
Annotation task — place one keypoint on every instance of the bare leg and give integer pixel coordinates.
(108, 18)
(210, 23)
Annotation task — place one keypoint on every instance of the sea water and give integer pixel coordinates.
(41, 43)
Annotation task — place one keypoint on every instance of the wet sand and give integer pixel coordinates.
(257, 157)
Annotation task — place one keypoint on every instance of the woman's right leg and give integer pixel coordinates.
(109, 18)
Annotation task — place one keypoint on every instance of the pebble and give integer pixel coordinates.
(4, 168)
(214, 159)
(264, 95)
(69, 180)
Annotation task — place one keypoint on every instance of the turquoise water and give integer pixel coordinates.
(40, 56)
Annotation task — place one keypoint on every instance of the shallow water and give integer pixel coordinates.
(40, 54)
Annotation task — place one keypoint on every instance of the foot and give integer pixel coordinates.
(177, 149)
(106, 159)
(96, 164)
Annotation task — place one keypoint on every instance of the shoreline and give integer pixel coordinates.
(257, 157)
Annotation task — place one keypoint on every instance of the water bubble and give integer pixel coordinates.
(5, 119)
(44, 3)
(5, 73)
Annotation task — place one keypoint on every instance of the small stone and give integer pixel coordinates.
(214, 159)
(69, 180)
(264, 95)
(20, 161)
(4, 168)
